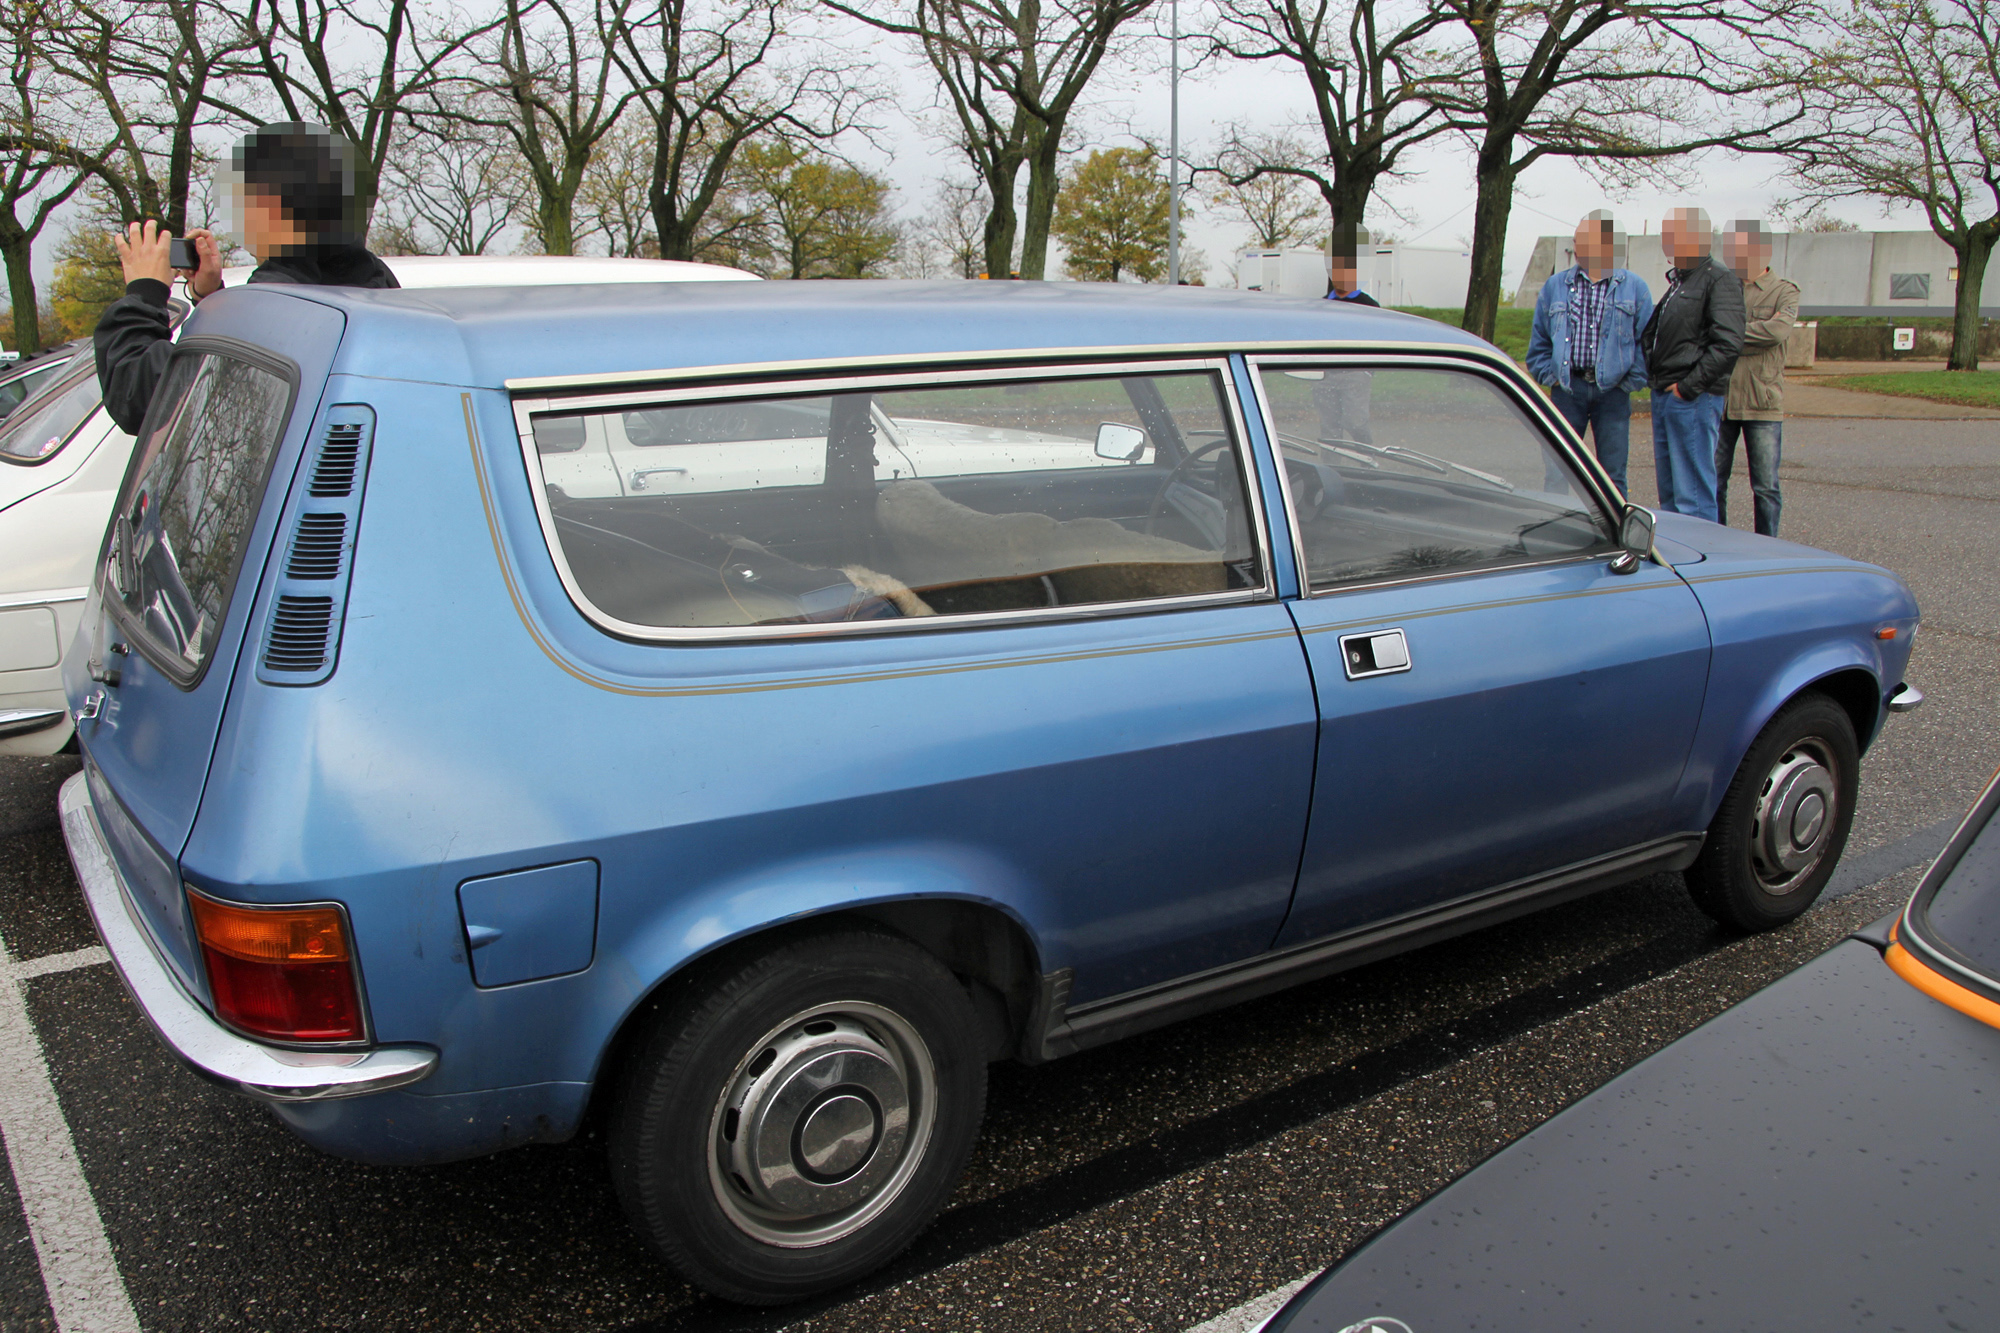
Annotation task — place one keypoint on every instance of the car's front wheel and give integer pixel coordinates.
(795, 1121)
(1782, 824)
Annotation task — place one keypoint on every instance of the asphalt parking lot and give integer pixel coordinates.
(1155, 1184)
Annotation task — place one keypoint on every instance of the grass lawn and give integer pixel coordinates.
(1510, 331)
(1976, 388)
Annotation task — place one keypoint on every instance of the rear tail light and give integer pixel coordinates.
(286, 973)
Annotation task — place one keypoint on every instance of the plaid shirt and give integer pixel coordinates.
(1587, 302)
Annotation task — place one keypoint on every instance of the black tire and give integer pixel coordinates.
(786, 1069)
(1771, 848)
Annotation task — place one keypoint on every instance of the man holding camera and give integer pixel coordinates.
(303, 200)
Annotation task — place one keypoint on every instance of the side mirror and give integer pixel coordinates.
(1120, 444)
(1635, 535)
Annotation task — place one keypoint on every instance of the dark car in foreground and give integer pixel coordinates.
(1821, 1157)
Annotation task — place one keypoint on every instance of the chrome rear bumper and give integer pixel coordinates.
(210, 1049)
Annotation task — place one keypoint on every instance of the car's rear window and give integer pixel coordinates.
(906, 501)
(189, 500)
(51, 413)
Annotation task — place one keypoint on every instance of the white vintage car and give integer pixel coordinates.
(61, 461)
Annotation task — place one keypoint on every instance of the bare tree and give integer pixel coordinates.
(1378, 72)
(360, 67)
(153, 74)
(708, 78)
(1609, 83)
(35, 174)
(544, 78)
(1269, 188)
(1012, 71)
(611, 200)
(1905, 106)
(452, 190)
(949, 240)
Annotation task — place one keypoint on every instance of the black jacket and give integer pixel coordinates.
(1696, 334)
(132, 334)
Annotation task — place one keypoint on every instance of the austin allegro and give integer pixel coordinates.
(740, 712)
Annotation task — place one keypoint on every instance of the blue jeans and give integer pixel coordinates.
(1608, 413)
(1685, 436)
(1763, 443)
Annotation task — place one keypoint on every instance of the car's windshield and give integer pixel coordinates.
(47, 419)
(1957, 914)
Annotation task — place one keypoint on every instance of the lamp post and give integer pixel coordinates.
(1174, 154)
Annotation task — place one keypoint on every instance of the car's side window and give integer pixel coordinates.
(1397, 472)
(909, 501)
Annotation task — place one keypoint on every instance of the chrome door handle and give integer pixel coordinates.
(1380, 652)
(637, 481)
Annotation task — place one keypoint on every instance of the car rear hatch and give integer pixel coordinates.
(150, 671)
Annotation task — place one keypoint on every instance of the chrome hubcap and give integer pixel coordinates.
(1794, 818)
(822, 1124)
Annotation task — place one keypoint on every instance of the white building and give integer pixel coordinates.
(1838, 272)
(1395, 275)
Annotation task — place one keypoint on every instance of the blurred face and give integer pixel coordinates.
(267, 231)
(1346, 275)
(1687, 236)
(1747, 252)
(1593, 247)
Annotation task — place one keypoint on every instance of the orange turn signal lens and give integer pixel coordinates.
(1886, 632)
(264, 935)
(282, 973)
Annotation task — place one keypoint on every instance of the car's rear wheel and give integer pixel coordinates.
(795, 1121)
(1783, 823)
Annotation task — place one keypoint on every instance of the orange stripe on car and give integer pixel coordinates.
(1942, 988)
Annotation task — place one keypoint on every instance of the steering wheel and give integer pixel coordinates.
(1187, 462)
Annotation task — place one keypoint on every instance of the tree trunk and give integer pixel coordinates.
(1973, 254)
(557, 225)
(1002, 223)
(15, 247)
(1491, 206)
(1043, 183)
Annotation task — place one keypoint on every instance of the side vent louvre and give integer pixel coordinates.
(299, 632)
(316, 547)
(333, 475)
(322, 522)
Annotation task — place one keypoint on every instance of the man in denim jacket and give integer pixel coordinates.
(1585, 341)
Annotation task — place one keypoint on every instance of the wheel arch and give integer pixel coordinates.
(988, 948)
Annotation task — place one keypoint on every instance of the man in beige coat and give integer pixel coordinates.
(1755, 407)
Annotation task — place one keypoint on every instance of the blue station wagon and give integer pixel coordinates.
(745, 711)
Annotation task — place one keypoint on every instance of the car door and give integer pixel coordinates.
(1496, 705)
(1085, 674)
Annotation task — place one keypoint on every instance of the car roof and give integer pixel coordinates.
(523, 337)
(532, 270)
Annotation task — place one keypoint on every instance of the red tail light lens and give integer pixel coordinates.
(284, 973)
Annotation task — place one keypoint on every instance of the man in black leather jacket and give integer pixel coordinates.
(1691, 345)
(303, 198)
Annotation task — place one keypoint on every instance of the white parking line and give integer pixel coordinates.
(1251, 1315)
(78, 1268)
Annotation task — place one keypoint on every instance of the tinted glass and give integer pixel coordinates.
(1964, 911)
(1401, 472)
(193, 492)
(904, 503)
(51, 415)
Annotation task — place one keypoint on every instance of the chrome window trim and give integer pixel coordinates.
(1565, 444)
(1010, 357)
(1217, 367)
(47, 597)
